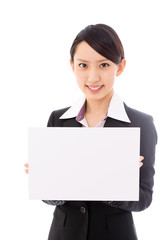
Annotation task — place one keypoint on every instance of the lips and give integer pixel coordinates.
(95, 89)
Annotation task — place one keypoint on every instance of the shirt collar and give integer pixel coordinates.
(116, 109)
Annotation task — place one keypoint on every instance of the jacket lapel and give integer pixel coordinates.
(110, 122)
(71, 123)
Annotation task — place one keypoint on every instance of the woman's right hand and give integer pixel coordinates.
(26, 165)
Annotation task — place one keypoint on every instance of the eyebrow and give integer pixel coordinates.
(82, 60)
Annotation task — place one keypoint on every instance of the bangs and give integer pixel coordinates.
(103, 39)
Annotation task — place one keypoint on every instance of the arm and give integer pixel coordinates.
(148, 143)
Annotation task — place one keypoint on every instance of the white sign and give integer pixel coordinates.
(84, 163)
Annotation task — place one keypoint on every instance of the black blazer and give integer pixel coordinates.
(95, 220)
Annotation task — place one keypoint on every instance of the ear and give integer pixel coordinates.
(72, 65)
(121, 67)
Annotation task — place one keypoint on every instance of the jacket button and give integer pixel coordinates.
(82, 209)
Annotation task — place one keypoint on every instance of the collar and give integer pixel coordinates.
(116, 109)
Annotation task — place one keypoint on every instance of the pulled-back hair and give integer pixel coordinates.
(103, 39)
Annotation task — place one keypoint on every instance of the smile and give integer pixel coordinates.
(95, 88)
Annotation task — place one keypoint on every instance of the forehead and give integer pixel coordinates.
(84, 51)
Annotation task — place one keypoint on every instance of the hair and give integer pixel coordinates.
(103, 39)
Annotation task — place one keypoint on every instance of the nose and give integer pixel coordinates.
(93, 76)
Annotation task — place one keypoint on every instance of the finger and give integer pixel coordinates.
(26, 165)
(26, 170)
(141, 158)
(140, 164)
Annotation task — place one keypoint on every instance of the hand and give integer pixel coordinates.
(141, 158)
(26, 165)
(140, 161)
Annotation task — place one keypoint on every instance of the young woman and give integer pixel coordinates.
(97, 58)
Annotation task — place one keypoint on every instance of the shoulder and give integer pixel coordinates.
(142, 120)
(137, 116)
(59, 112)
(54, 117)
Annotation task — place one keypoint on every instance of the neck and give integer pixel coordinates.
(98, 107)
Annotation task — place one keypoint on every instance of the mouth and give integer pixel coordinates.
(95, 89)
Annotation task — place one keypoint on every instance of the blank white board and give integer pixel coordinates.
(84, 163)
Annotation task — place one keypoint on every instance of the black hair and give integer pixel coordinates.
(103, 39)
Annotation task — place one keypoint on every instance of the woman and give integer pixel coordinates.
(97, 57)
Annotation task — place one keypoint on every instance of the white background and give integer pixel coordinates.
(35, 79)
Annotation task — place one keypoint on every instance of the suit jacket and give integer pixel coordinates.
(95, 220)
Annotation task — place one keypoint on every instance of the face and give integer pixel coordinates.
(94, 73)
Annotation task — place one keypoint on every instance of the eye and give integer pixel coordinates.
(82, 65)
(104, 65)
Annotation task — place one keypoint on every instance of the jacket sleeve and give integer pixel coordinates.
(147, 149)
(53, 202)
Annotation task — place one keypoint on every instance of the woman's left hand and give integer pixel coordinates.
(140, 161)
